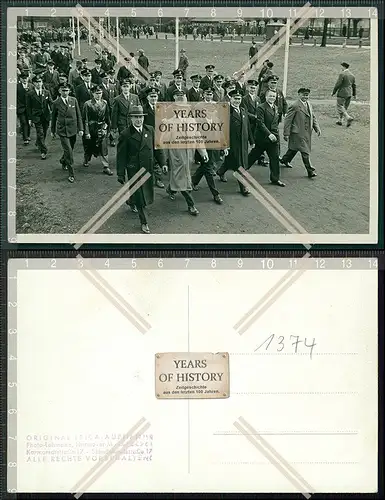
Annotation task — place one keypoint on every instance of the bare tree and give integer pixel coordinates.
(325, 32)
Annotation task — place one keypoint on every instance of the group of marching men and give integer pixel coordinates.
(101, 108)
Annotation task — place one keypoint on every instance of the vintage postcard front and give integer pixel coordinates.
(267, 117)
(107, 358)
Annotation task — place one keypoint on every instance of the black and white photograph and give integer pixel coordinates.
(302, 94)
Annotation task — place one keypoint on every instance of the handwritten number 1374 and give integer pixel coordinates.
(282, 343)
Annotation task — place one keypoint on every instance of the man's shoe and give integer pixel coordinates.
(218, 200)
(245, 192)
(171, 195)
(44, 156)
(287, 165)
(193, 211)
(26, 143)
(349, 122)
(339, 122)
(86, 164)
(107, 171)
(195, 188)
(312, 174)
(112, 144)
(159, 183)
(134, 209)
(278, 183)
(145, 229)
(222, 178)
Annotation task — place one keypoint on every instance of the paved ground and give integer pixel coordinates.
(337, 201)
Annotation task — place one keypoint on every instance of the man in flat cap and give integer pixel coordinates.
(96, 71)
(66, 123)
(51, 79)
(106, 64)
(124, 71)
(22, 89)
(83, 90)
(207, 169)
(183, 63)
(267, 137)
(177, 84)
(120, 118)
(280, 102)
(143, 63)
(161, 86)
(345, 88)
(38, 107)
(300, 121)
(218, 90)
(74, 76)
(265, 73)
(136, 150)
(240, 138)
(96, 120)
(253, 54)
(149, 107)
(195, 93)
(207, 80)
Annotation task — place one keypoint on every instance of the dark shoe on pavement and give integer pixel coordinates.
(278, 183)
(195, 188)
(71, 179)
(145, 229)
(159, 183)
(44, 156)
(218, 199)
(312, 174)
(339, 122)
(287, 165)
(245, 192)
(107, 171)
(134, 209)
(222, 178)
(349, 122)
(171, 195)
(193, 210)
(86, 164)
(112, 144)
(26, 143)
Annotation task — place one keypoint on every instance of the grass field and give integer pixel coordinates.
(313, 67)
(336, 202)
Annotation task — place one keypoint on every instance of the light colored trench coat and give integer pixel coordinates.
(299, 125)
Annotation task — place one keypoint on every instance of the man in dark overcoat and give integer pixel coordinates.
(300, 121)
(23, 87)
(136, 150)
(240, 137)
(267, 137)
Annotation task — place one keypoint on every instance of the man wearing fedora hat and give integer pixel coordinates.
(136, 150)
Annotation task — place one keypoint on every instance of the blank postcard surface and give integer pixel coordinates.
(184, 380)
